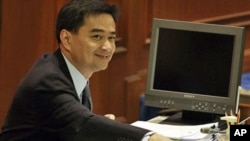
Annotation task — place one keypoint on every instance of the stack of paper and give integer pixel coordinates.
(179, 132)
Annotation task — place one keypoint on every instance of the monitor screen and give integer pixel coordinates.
(194, 67)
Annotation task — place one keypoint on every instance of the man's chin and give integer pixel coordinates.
(103, 68)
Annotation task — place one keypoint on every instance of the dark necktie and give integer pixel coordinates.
(86, 99)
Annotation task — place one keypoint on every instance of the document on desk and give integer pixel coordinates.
(179, 132)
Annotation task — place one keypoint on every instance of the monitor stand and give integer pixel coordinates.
(191, 118)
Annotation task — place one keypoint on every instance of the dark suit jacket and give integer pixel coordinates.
(47, 108)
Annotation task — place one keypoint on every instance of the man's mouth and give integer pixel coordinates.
(106, 57)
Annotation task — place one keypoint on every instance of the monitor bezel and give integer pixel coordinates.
(153, 96)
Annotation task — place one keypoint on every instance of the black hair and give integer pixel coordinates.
(72, 15)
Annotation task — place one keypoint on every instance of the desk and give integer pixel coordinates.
(218, 137)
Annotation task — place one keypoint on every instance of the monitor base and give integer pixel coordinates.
(191, 118)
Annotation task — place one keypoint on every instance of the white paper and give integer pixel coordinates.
(180, 132)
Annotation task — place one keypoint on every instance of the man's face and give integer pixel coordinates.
(93, 46)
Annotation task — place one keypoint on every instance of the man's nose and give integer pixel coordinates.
(107, 45)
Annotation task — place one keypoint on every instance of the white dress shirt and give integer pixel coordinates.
(79, 80)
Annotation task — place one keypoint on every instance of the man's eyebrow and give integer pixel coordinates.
(101, 30)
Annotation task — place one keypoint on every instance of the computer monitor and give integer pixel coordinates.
(194, 67)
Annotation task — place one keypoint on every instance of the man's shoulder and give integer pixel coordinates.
(46, 70)
(45, 66)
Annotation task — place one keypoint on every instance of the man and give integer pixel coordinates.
(53, 102)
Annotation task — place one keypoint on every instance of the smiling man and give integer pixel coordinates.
(53, 101)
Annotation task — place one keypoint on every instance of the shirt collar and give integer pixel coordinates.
(79, 80)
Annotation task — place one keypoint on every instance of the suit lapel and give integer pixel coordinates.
(62, 64)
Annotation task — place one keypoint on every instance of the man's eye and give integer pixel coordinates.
(112, 38)
(97, 37)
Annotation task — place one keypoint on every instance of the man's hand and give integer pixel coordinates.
(158, 137)
(110, 116)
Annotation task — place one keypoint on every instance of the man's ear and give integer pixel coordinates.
(65, 37)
